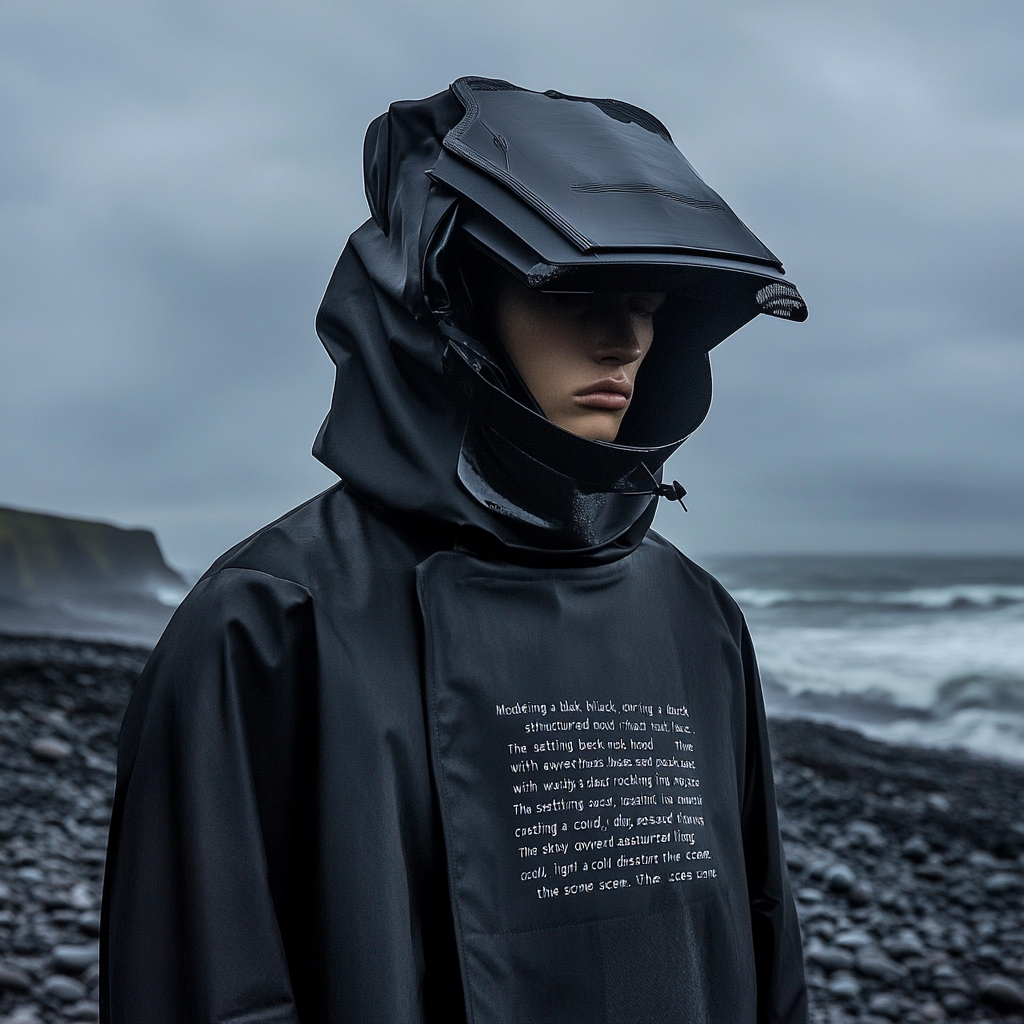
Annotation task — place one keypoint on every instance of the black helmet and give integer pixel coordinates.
(572, 194)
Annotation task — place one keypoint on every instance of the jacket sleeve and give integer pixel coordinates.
(191, 930)
(778, 950)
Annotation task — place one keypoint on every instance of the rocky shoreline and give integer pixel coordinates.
(907, 867)
(908, 864)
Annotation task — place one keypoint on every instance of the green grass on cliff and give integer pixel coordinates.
(41, 552)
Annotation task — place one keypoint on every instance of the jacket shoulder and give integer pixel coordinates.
(326, 531)
(695, 576)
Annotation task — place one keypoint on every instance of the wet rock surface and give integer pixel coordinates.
(906, 864)
(60, 709)
(908, 870)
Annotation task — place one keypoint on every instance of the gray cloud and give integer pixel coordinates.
(177, 180)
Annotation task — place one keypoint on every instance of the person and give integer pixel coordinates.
(462, 738)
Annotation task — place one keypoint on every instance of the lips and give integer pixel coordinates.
(611, 393)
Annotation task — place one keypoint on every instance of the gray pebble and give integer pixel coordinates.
(1003, 994)
(867, 834)
(24, 1015)
(844, 985)
(76, 958)
(840, 878)
(885, 1004)
(83, 1010)
(860, 894)
(14, 978)
(906, 943)
(49, 748)
(81, 897)
(1002, 881)
(916, 849)
(817, 868)
(67, 990)
(955, 1002)
(933, 870)
(987, 953)
(796, 859)
(830, 958)
(89, 922)
(982, 859)
(889, 898)
(948, 979)
(873, 963)
(809, 895)
(853, 939)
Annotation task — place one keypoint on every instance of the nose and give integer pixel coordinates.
(614, 333)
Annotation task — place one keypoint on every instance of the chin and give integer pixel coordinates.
(596, 428)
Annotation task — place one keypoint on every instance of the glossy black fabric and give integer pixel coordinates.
(314, 811)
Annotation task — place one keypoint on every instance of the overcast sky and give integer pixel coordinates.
(177, 181)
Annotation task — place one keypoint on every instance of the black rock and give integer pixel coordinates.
(1003, 994)
(859, 894)
(796, 859)
(947, 978)
(844, 985)
(829, 958)
(916, 849)
(14, 978)
(75, 958)
(955, 1002)
(905, 944)
(873, 963)
(933, 870)
(89, 922)
(886, 1005)
(853, 939)
(982, 859)
(49, 748)
(840, 878)
(1002, 881)
(86, 1009)
(67, 990)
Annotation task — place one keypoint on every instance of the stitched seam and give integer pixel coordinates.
(453, 141)
(636, 187)
(434, 697)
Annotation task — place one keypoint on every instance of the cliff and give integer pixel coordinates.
(44, 554)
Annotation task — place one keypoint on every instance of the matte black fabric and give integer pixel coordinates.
(275, 845)
(314, 816)
(600, 748)
(633, 191)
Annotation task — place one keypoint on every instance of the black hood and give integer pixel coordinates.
(567, 194)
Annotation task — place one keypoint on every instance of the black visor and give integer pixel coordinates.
(586, 194)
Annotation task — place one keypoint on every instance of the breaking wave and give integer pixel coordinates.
(920, 598)
(926, 651)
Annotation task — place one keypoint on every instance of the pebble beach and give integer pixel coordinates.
(907, 863)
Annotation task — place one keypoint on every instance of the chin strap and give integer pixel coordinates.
(674, 491)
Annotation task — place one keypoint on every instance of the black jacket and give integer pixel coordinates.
(397, 758)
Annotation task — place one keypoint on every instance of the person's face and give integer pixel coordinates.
(578, 354)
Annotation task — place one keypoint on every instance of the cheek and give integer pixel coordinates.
(645, 337)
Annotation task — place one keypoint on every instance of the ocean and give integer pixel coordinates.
(925, 650)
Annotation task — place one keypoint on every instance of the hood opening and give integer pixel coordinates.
(566, 193)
